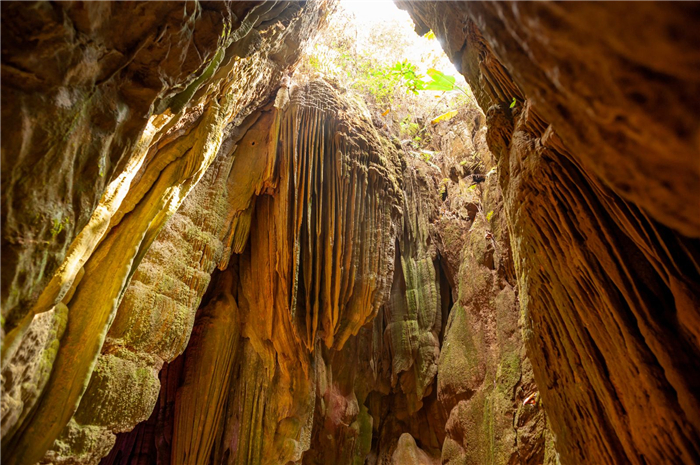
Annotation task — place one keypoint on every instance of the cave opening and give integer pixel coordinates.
(294, 233)
(414, 97)
(380, 397)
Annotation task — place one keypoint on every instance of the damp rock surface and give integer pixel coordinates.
(595, 129)
(213, 255)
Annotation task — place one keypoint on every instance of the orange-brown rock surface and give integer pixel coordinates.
(397, 388)
(305, 282)
(599, 162)
(208, 258)
(108, 125)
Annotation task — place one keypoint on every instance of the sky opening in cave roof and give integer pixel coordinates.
(373, 23)
(372, 14)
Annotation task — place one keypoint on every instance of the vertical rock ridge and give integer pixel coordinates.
(598, 179)
(324, 234)
(210, 258)
(200, 403)
(179, 131)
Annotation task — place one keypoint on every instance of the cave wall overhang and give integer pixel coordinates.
(598, 162)
(109, 124)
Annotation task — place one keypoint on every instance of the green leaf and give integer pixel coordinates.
(440, 81)
(512, 104)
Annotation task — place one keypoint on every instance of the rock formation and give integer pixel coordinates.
(209, 258)
(599, 164)
(108, 125)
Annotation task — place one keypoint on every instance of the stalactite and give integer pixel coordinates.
(323, 228)
(598, 175)
(182, 124)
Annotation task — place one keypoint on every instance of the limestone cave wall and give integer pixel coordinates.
(599, 163)
(385, 331)
(112, 115)
(210, 258)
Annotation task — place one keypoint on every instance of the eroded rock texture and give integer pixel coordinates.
(350, 366)
(207, 261)
(485, 382)
(319, 224)
(108, 125)
(316, 269)
(599, 162)
(313, 271)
